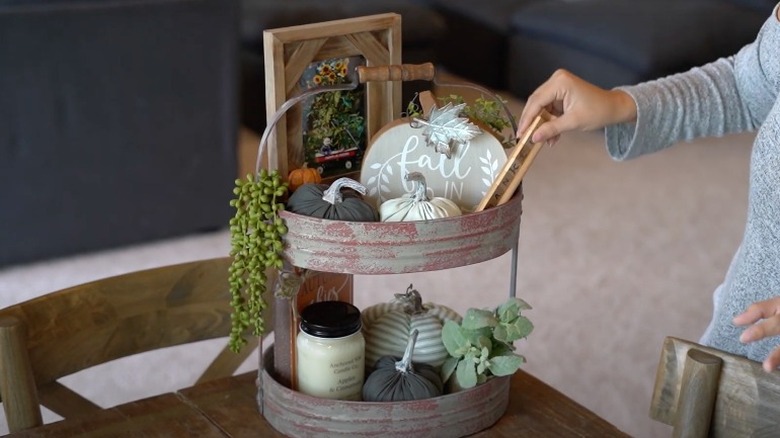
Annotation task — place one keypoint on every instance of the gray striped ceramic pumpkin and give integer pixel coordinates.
(388, 326)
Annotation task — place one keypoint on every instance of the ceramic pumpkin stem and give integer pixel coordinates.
(412, 301)
(333, 194)
(405, 364)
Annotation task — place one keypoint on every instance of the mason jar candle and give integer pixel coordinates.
(330, 351)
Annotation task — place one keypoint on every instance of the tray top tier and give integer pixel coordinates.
(401, 247)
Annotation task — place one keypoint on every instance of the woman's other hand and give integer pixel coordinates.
(576, 105)
(764, 320)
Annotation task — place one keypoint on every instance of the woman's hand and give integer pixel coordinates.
(576, 105)
(765, 319)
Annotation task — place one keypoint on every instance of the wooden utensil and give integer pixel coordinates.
(516, 166)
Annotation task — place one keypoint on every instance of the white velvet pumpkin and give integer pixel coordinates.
(416, 205)
(388, 326)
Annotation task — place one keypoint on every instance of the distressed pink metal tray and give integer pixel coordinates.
(400, 247)
(453, 415)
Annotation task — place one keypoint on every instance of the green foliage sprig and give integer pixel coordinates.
(482, 345)
(490, 112)
(256, 232)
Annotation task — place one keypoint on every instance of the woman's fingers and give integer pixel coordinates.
(752, 314)
(576, 105)
(758, 310)
(765, 317)
(548, 96)
(760, 330)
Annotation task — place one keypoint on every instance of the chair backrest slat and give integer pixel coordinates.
(63, 401)
(58, 334)
(747, 402)
(93, 323)
(227, 362)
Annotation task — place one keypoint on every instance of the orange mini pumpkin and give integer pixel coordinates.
(301, 176)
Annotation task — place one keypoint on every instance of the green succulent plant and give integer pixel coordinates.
(256, 232)
(482, 345)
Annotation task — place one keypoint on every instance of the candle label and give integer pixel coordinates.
(348, 374)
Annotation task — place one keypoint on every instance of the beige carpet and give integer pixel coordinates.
(613, 257)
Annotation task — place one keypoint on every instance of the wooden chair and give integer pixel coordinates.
(55, 335)
(704, 392)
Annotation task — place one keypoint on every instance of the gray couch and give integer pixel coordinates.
(517, 44)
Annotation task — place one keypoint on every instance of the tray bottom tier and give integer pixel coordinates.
(452, 415)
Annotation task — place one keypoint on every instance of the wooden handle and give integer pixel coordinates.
(403, 72)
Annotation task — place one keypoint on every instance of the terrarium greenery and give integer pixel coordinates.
(256, 232)
(490, 113)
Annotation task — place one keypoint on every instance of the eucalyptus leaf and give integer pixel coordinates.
(502, 349)
(500, 333)
(522, 327)
(466, 374)
(508, 311)
(454, 340)
(505, 365)
(476, 319)
(479, 338)
(448, 367)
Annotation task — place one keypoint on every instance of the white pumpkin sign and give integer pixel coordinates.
(401, 148)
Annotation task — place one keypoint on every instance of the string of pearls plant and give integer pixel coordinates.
(256, 233)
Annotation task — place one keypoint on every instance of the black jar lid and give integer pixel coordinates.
(330, 319)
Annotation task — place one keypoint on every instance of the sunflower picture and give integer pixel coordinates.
(333, 122)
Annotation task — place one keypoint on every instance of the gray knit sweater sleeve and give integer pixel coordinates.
(733, 94)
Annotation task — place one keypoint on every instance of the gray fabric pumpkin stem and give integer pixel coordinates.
(333, 194)
(420, 190)
(405, 364)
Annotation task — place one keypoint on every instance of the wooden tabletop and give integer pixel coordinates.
(228, 407)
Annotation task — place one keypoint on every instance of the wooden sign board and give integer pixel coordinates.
(464, 178)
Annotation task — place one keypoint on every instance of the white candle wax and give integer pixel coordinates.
(331, 368)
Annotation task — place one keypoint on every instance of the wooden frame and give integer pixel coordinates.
(290, 50)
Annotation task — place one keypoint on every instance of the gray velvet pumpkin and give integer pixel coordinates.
(330, 202)
(402, 380)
